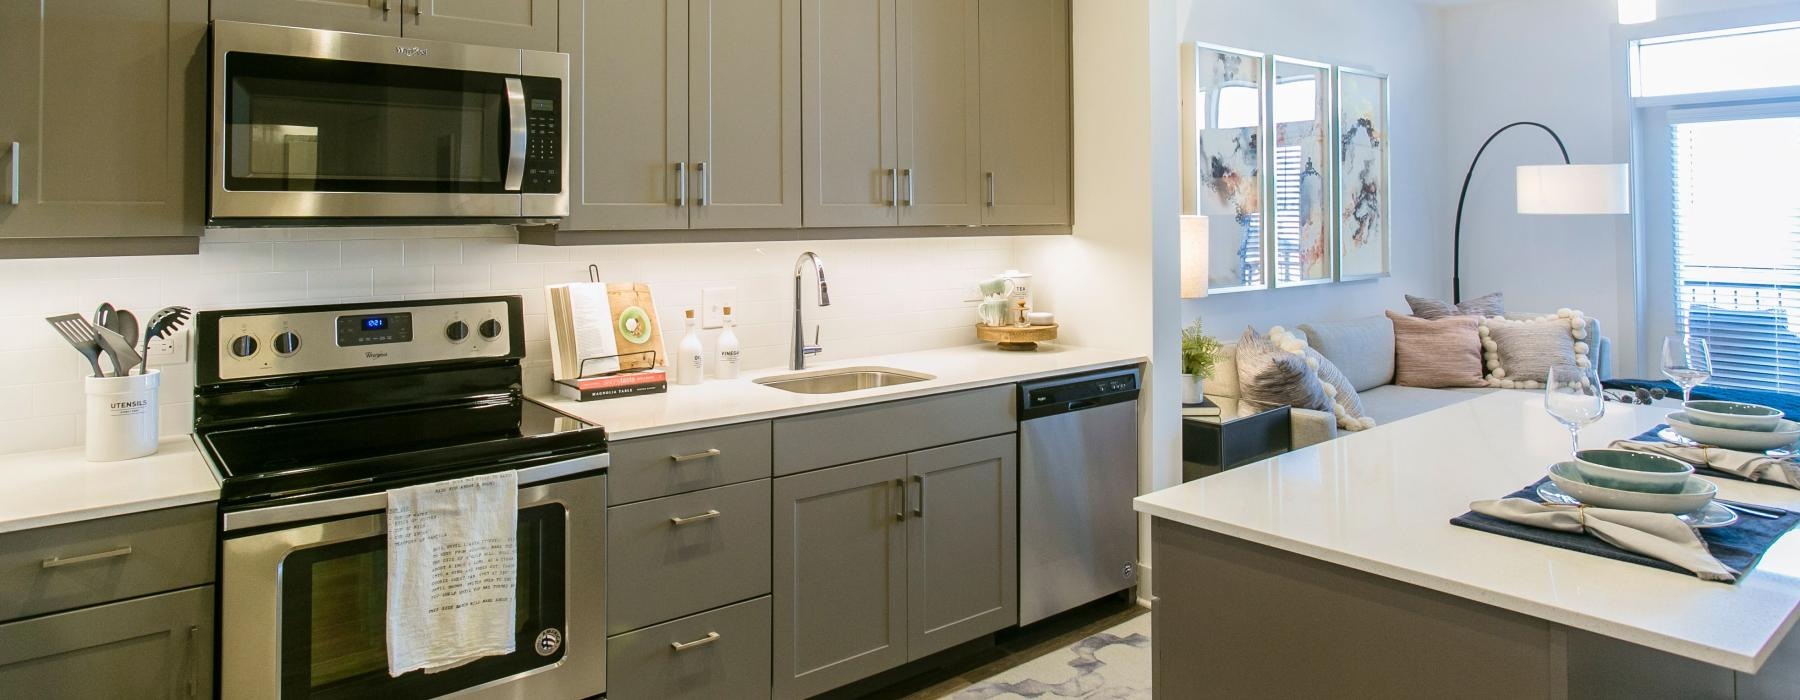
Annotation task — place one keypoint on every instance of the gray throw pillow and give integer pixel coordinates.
(1432, 309)
(1272, 376)
(1346, 404)
(1519, 353)
(1363, 348)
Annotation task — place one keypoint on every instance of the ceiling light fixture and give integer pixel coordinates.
(1637, 11)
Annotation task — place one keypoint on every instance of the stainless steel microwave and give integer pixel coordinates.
(315, 127)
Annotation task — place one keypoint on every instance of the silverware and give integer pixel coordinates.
(126, 323)
(80, 334)
(1747, 509)
(119, 349)
(162, 324)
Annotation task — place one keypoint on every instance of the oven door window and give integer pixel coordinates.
(334, 614)
(317, 125)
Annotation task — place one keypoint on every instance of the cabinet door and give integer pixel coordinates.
(962, 538)
(744, 112)
(940, 119)
(628, 111)
(106, 101)
(522, 24)
(840, 576)
(361, 16)
(852, 166)
(1025, 134)
(155, 647)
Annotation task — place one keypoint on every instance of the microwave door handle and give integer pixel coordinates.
(516, 128)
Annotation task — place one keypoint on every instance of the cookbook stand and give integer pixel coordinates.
(650, 365)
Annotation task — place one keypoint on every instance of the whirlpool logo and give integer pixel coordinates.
(375, 355)
(411, 50)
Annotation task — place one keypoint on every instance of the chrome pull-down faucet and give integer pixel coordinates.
(797, 361)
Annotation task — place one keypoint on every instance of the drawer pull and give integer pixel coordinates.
(703, 641)
(708, 515)
(54, 562)
(709, 454)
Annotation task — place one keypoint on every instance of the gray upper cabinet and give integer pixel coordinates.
(685, 114)
(962, 543)
(154, 647)
(940, 119)
(1025, 136)
(524, 24)
(839, 575)
(102, 127)
(851, 104)
(361, 16)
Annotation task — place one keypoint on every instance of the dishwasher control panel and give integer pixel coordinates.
(1073, 393)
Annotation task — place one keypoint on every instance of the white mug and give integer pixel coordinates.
(995, 312)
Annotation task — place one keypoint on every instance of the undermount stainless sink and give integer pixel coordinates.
(837, 381)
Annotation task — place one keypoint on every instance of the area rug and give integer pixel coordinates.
(1111, 665)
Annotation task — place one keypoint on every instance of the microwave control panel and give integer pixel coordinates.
(543, 143)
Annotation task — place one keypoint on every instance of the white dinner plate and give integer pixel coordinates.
(1713, 515)
(1695, 494)
(1750, 440)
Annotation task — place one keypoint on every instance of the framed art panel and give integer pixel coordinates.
(1224, 108)
(1363, 195)
(1301, 173)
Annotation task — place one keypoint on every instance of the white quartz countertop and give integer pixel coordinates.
(725, 401)
(1381, 501)
(53, 487)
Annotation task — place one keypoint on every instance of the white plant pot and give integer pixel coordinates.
(1193, 388)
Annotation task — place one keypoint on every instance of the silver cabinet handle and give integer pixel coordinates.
(681, 187)
(418, 11)
(703, 641)
(386, 7)
(919, 508)
(193, 644)
(900, 513)
(701, 172)
(54, 562)
(893, 187)
(991, 198)
(12, 182)
(516, 129)
(908, 201)
(709, 454)
(708, 515)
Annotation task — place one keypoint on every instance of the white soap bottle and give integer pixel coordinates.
(729, 352)
(690, 356)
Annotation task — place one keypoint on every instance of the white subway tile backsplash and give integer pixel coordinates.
(395, 281)
(270, 287)
(341, 283)
(308, 255)
(432, 251)
(462, 278)
(372, 253)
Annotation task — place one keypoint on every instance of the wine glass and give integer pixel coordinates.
(1687, 361)
(1573, 397)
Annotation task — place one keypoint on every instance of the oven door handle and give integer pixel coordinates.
(518, 134)
(376, 502)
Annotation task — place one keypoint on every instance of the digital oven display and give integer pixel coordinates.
(374, 329)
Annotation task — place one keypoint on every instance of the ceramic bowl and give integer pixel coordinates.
(1785, 434)
(1732, 415)
(1632, 471)
(1695, 493)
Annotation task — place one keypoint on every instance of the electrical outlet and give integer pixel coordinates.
(712, 305)
(172, 350)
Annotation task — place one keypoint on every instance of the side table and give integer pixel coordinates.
(1213, 444)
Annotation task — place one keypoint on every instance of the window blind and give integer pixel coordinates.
(1736, 217)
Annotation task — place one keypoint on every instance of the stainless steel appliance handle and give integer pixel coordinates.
(714, 452)
(708, 515)
(54, 562)
(515, 152)
(705, 184)
(12, 181)
(681, 184)
(703, 641)
(373, 502)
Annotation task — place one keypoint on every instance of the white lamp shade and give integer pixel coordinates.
(1637, 11)
(1193, 256)
(1575, 189)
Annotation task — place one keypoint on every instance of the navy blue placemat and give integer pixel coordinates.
(1650, 436)
(1786, 403)
(1738, 545)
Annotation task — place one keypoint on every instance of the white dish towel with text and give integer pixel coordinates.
(452, 554)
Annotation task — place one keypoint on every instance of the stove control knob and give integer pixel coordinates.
(243, 346)
(490, 329)
(287, 344)
(456, 331)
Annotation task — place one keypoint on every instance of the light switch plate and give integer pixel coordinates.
(712, 305)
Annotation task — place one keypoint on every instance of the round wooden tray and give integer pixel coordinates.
(1015, 337)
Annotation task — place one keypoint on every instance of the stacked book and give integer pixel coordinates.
(1205, 409)
(604, 341)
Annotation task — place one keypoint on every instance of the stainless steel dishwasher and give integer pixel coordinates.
(1078, 466)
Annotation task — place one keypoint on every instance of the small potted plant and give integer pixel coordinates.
(1198, 353)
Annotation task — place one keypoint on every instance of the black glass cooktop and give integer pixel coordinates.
(303, 460)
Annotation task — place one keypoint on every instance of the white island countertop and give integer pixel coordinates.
(724, 401)
(1381, 501)
(54, 487)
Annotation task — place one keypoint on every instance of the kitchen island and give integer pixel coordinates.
(1334, 571)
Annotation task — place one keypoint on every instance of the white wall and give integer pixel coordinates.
(887, 296)
(1558, 62)
(1397, 37)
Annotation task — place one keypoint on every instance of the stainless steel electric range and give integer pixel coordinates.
(309, 414)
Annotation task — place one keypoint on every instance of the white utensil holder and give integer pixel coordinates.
(121, 416)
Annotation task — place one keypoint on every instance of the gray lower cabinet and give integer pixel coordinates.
(102, 127)
(722, 653)
(962, 537)
(840, 576)
(672, 556)
(154, 647)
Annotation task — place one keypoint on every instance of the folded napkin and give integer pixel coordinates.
(1657, 535)
(1750, 466)
(452, 558)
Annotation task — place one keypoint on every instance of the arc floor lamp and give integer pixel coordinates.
(1550, 189)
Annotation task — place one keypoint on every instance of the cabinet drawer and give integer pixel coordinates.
(98, 561)
(155, 647)
(734, 664)
(855, 434)
(664, 465)
(660, 569)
